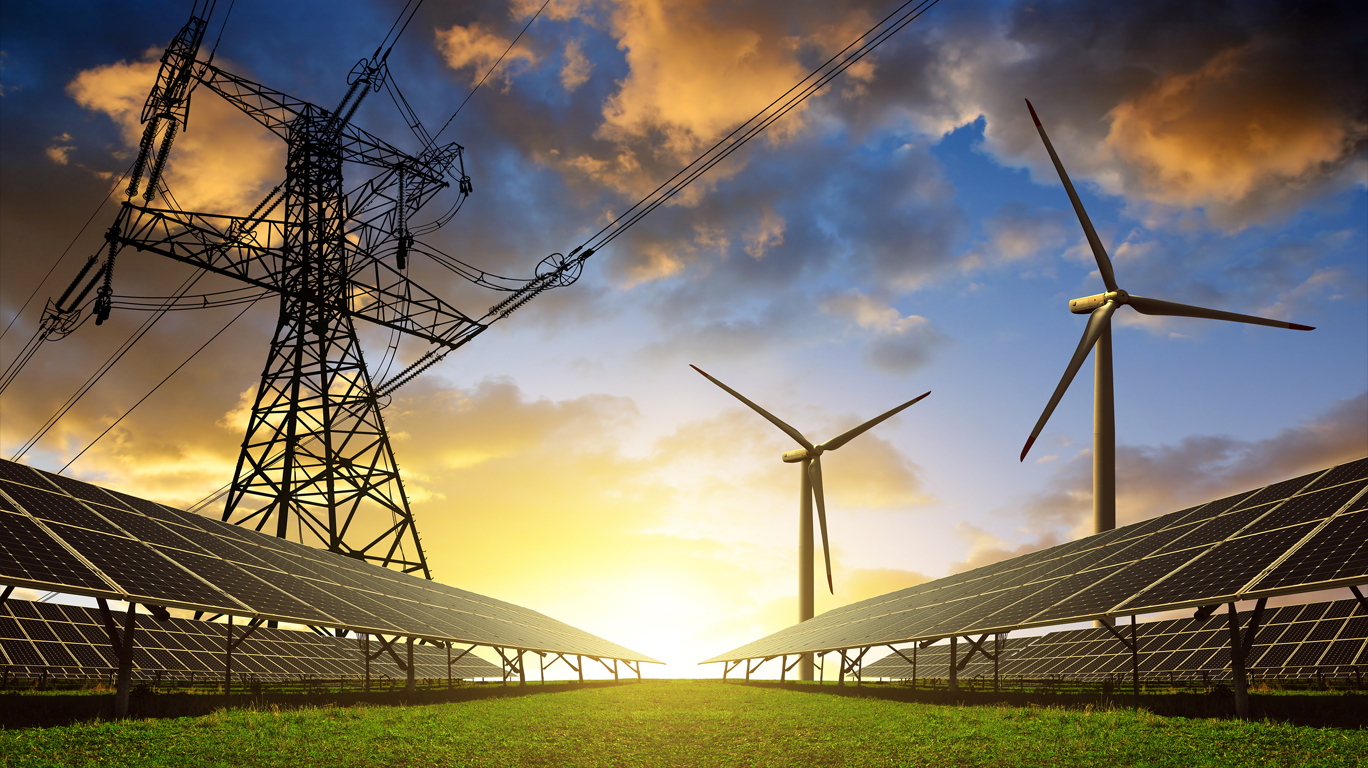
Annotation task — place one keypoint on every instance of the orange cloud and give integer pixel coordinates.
(222, 161)
(477, 49)
(1229, 134)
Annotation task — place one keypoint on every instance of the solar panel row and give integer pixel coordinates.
(1298, 535)
(1329, 638)
(68, 641)
(63, 535)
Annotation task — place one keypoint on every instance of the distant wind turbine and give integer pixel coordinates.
(810, 487)
(1099, 309)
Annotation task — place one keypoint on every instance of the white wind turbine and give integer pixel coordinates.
(1099, 309)
(810, 487)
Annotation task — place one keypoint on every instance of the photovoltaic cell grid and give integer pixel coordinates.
(1294, 641)
(1299, 535)
(70, 641)
(63, 535)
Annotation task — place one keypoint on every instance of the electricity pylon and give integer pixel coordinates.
(316, 464)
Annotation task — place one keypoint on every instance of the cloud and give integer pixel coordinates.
(899, 344)
(577, 67)
(1247, 113)
(59, 151)
(695, 72)
(474, 48)
(1245, 135)
(1019, 234)
(1156, 480)
(223, 161)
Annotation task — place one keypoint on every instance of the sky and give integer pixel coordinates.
(903, 231)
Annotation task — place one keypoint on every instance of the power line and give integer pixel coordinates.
(902, 16)
(40, 284)
(158, 386)
(491, 69)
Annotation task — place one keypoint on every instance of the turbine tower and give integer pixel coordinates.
(1097, 334)
(810, 487)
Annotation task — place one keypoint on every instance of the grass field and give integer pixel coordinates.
(682, 723)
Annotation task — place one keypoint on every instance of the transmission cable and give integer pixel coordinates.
(117, 183)
(115, 357)
(99, 374)
(873, 38)
(154, 389)
(491, 69)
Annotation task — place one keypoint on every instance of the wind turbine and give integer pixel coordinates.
(810, 487)
(1099, 309)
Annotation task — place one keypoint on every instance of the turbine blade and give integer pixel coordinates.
(1097, 322)
(1157, 307)
(842, 439)
(1103, 263)
(815, 475)
(790, 431)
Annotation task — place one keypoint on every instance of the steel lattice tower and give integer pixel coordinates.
(316, 464)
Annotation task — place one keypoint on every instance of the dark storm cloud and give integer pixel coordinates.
(1247, 110)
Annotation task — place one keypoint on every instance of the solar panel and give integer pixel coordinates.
(1256, 543)
(63, 535)
(38, 637)
(1336, 552)
(1286, 645)
(30, 557)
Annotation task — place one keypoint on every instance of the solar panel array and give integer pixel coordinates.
(1294, 641)
(63, 535)
(1299, 535)
(69, 641)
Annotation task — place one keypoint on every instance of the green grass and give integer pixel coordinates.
(683, 723)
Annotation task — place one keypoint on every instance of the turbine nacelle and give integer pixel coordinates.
(802, 454)
(1087, 304)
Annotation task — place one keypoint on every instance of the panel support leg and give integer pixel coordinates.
(121, 689)
(1239, 654)
(409, 685)
(997, 654)
(954, 664)
(228, 660)
(1135, 661)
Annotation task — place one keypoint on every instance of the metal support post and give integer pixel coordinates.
(840, 680)
(365, 651)
(228, 660)
(615, 669)
(409, 685)
(125, 664)
(522, 670)
(580, 667)
(997, 654)
(954, 664)
(783, 668)
(1135, 661)
(1239, 653)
